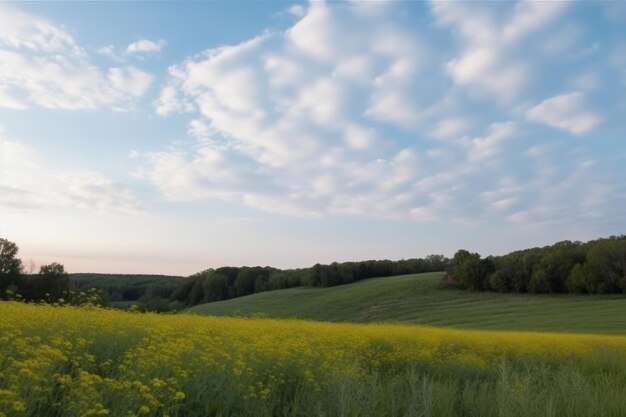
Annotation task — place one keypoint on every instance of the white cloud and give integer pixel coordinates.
(316, 34)
(324, 101)
(130, 80)
(9, 100)
(170, 101)
(488, 61)
(29, 182)
(484, 67)
(93, 191)
(530, 16)
(41, 65)
(134, 49)
(566, 111)
(58, 82)
(487, 147)
(279, 107)
(425, 214)
(199, 129)
(337, 115)
(519, 217)
(16, 162)
(452, 127)
(144, 46)
(394, 107)
(475, 23)
(504, 203)
(359, 137)
(20, 30)
(357, 68)
(277, 97)
(109, 52)
(297, 10)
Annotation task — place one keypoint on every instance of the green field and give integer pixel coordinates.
(422, 299)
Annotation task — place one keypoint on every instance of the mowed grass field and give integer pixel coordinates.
(58, 361)
(421, 299)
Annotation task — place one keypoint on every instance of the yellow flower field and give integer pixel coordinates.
(73, 361)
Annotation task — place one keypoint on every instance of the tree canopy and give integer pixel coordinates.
(51, 284)
(595, 267)
(10, 265)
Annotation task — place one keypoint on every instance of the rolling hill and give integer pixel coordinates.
(420, 298)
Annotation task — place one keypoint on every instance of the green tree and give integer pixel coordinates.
(196, 295)
(578, 280)
(245, 281)
(181, 294)
(10, 265)
(499, 281)
(470, 270)
(459, 256)
(539, 282)
(557, 263)
(51, 282)
(606, 262)
(215, 287)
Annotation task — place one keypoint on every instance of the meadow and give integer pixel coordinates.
(422, 299)
(88, 361)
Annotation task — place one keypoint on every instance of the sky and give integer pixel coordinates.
(172, 137)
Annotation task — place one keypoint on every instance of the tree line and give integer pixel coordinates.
(230, 282)
(50, 284)
(165, 293)
(594, 267)
(126, 287)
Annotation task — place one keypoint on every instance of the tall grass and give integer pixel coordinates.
(68, 361)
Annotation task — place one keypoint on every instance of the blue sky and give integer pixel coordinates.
(171, 137)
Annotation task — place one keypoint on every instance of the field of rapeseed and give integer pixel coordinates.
(71, 361)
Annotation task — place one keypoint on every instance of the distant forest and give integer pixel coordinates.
(594, 267)
(126, 287)
(229, 282)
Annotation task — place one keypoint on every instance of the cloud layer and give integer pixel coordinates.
(29, 182)
(349, 111)
(430, 112)
(41, 65)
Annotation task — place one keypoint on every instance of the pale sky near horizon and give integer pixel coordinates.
(169, 137)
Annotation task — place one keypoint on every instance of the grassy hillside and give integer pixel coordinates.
(421, 299)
